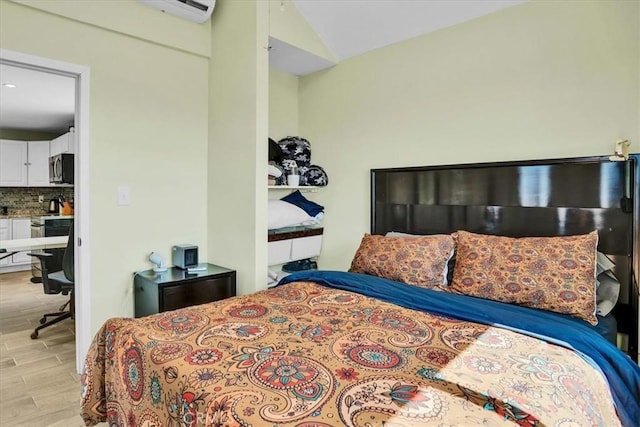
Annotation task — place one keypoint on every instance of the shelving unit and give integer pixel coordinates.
(292, 243)
(302, 188)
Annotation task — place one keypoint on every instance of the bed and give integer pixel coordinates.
(390, 342)
(551, 197)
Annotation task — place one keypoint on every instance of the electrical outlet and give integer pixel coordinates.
(124, 196)
(40, 199)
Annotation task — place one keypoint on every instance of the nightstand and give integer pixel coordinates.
(177, 288)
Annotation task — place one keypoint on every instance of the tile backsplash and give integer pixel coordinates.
(24, 200)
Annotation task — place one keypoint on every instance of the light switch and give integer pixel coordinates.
(124, 196)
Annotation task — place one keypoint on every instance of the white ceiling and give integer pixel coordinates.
(353, 27)
(45, 102)
(41, 101)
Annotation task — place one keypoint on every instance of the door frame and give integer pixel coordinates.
(82, 244)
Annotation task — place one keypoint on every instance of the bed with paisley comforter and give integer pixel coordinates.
(340, 348)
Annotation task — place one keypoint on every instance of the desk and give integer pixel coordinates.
(12, 247)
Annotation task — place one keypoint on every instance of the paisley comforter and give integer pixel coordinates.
(308, 353)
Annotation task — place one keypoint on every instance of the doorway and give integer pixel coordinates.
(81, 186)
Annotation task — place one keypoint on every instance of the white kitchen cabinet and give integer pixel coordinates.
(63, 144)
(13, 163)
(24, 163)
(38, 174)
(20, 229)
(11, 229)
(5, 234)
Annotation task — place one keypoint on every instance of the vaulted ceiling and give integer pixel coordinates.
(353, 27)
(45, 102)
(349, 28)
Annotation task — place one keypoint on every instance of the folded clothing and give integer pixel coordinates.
(297, 199)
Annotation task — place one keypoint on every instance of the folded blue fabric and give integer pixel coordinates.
(296, 198)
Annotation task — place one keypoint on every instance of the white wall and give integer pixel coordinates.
(288, 25)
(534, 81)
(148, 130)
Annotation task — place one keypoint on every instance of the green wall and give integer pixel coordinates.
(283, 104)
(238, 135)
(538, 80)
(148, 123)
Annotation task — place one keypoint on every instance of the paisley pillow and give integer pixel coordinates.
(420, 261)
(548, 273)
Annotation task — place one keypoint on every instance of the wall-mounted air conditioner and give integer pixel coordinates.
(193, 10)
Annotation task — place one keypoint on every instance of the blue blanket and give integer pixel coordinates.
(622, 373)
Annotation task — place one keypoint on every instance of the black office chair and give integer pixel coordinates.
(57, 282)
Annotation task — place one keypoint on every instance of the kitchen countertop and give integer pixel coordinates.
(30, 213)
(54, 216)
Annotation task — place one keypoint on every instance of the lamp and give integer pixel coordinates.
(159, 261)
(621, 152)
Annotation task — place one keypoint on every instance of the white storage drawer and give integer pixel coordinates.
(285, 249)
(305, 247)
(279, 252)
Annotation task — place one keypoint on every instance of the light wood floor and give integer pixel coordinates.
(39, 385)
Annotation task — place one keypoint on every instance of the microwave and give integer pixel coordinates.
(61, 168)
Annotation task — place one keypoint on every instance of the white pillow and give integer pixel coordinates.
(608, 291)
(607, 285)
(401, 234)
(284, 214)
(603, 263)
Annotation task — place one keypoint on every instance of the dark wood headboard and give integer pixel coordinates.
(524, 198)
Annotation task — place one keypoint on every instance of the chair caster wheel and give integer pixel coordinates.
(34, 335)
(42, 321)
